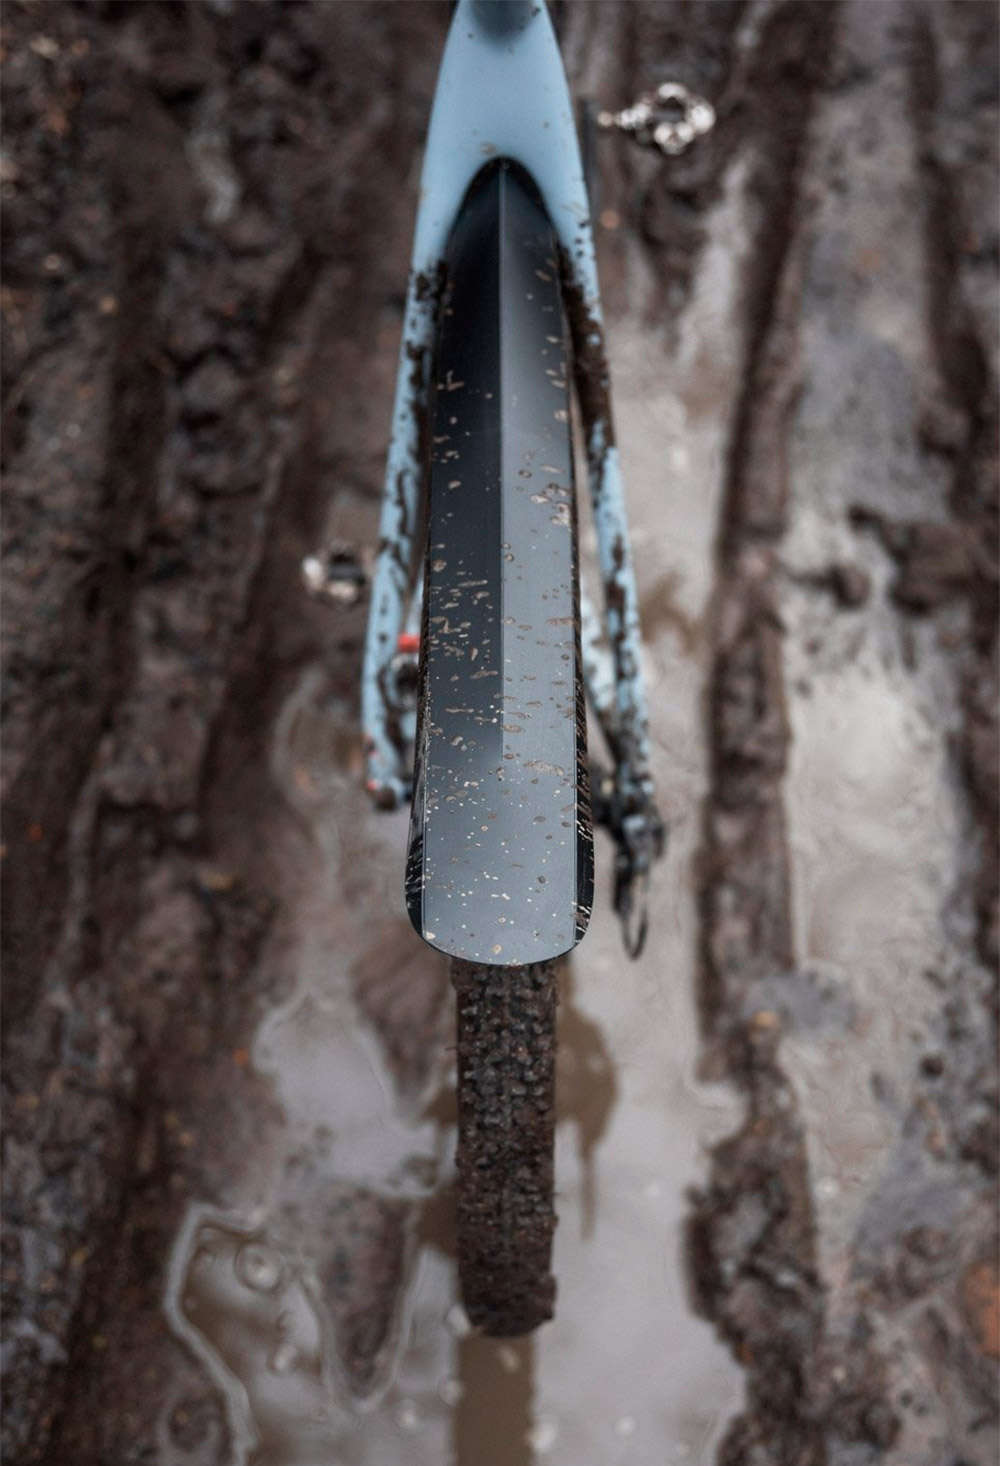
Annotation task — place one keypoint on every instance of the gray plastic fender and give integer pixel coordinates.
(500, 866)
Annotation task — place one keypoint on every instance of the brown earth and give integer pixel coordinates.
(208, 210)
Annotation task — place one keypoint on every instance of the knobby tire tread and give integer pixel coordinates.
(506, 1132)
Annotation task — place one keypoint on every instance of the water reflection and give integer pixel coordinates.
(586, 1089)
(494, 1422)
(491, 1390)
(324, 1304)
(300, 1314)
(251, 1316)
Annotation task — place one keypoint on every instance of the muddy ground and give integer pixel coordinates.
(229, 1107)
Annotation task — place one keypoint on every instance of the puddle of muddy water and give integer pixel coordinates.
(262, 1290)
(624, 1364)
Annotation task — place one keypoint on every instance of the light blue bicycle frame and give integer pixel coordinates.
(502, 93)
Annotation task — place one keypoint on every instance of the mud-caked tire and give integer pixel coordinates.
(506, 1130)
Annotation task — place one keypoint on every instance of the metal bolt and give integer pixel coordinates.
(671, 118)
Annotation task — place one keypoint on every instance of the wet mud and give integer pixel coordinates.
(229, 1065)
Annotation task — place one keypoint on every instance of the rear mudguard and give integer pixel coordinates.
(500, 866)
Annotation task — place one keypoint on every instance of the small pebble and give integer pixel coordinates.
(542, 1436)
(458, 1321)
(408, 1416)
(451, 1391)
(284, 1358)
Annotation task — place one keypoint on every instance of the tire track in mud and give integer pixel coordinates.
(130, 1062)
(752, 1234)
(951, 120)
(840, 1363)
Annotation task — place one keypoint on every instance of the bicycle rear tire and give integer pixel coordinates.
(506, 1132)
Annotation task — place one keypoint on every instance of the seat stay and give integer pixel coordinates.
(498, 50)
